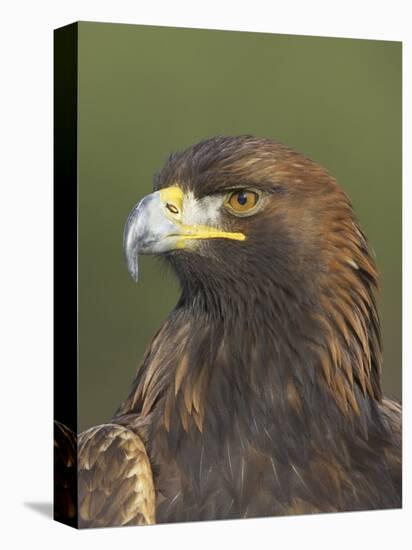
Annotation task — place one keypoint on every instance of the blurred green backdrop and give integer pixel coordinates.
(147, 91)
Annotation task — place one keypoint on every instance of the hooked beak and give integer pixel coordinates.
(155, 225)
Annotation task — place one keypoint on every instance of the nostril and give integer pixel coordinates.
(172, 208)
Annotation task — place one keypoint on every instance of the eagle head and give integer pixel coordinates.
(263, 238)
(248, 217)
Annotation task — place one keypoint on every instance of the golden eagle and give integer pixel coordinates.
(261, 393)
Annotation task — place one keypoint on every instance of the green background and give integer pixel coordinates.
(147, 91)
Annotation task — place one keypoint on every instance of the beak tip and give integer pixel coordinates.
(132, 266)
(130, 249)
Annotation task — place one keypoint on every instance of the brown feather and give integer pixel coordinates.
(261, 394)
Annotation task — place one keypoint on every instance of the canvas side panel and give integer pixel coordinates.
(65, 274)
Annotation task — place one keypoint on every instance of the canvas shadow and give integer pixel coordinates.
(43, 508)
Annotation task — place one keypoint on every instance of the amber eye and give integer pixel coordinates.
(242, 201)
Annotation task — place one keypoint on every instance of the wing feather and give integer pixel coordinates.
(65, 474)
(115, 478)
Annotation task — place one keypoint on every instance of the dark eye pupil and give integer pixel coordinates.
(242, 199)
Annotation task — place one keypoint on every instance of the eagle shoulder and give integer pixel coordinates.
(115, 478)
(392, 411)
(65, 474)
